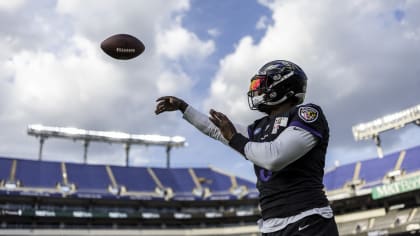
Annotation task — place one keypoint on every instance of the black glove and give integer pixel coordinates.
(170, 103)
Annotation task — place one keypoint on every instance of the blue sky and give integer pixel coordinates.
(361, 59)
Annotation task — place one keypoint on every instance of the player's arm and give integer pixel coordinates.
(290, 145)
(194, 117)
(202, 123)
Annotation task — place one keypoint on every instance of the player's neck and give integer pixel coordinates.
(283, 108)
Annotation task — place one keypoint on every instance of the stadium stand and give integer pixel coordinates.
(411, 160)
(377, 196)
(338, 178)
(374, 170)
(88, 178)
(43, 175)
(216, 181)
(60, 195)
(177, 180)
(5, 165)
(134, 179)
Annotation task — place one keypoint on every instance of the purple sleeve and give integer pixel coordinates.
(310, 118)
(306, 127)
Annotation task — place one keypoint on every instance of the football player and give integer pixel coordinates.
(287, 148)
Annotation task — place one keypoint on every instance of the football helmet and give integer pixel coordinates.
(276, 82)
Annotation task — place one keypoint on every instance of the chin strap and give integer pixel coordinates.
(290, 94)
(259, 100)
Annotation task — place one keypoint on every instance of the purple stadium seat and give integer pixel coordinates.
(41, 174)
(411, 161)
(339, 177)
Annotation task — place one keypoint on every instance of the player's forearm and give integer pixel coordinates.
(289, 146)
(202, 123)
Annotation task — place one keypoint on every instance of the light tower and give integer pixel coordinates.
(372, 129)
(88, 136)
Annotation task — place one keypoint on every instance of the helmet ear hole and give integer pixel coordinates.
(273, 94)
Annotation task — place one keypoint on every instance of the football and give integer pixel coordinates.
(122, 46)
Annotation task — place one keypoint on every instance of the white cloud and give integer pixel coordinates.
(69, 83)
(62, 78)
(214, 32)
(262, 23)
(11, 6)
(352, 52)
(97, 19)
(413, 34)
(322, 41)
(173, 81)
(229, 87)
(177, 42)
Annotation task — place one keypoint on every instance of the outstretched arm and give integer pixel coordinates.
(194, 117)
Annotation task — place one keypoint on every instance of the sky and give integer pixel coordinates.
(361, 59)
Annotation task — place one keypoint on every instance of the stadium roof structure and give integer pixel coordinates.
(372, 129)
(44, 132)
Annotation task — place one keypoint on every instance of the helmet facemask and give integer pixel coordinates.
(256, 91)
(275, 84)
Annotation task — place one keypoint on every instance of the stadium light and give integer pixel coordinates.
(372, 129)
(393, 121)
(44, 132)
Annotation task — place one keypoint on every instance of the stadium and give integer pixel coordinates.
(93, 73)
(376, 196)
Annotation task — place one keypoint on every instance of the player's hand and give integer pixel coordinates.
(170, 103)
(223, 123)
